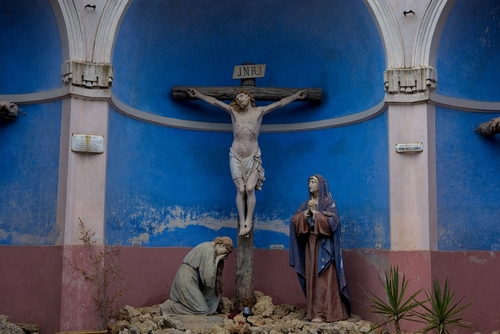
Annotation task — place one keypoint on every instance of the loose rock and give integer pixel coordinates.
(266, 319)
(7, 327)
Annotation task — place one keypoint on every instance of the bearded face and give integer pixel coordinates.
(243, 100)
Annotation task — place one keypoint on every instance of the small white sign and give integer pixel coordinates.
(277, 246)
(87, 143)
(409, 147)
(249, 71)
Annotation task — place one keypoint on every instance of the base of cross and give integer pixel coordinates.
(260, 93)
(244, 270)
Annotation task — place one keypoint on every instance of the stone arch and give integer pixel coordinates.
(389, 31)
(71, 29)
(70, 21)
(112, 16)
(429, 33)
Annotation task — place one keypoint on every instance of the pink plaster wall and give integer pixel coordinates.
(77, 304)
(476, 277)
(151, 271)
(274, 277)
(363, 268)
(473, 275)
(31, 288)
(30, 285)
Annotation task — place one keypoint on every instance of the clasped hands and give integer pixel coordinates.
(312, 208)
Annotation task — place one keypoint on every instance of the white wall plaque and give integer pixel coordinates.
(249, 71)
(409, 147)
(277, 246)
(87, 143)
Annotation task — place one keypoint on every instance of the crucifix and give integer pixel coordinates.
(245, 156)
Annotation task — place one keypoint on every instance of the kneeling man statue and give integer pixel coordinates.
(197, 286)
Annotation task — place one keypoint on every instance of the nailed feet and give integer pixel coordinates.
(245, 228)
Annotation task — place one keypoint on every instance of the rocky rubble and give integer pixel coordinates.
(266, 318)
(7, 327)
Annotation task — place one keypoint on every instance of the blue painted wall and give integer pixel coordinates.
(31, 55)
(468, 183)
(333, 45)
(170, 187)
(28, 181)
(30, 62)
(468, 165)
(161, 180)
(469, 51)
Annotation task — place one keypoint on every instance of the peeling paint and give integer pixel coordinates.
(146, 221)
(475, 259)
(380, 263)
(275, 225)
(15, 238)
(143, 237)
(380, 228)
(171, 218)
(181, 219)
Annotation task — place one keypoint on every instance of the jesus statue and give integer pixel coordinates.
(244, 156)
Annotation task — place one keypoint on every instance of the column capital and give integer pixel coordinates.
(409, 84)
(88, 80)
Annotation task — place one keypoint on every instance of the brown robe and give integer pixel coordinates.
(323, 294)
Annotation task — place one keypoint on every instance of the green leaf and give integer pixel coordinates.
(442, 313)
(396, 308)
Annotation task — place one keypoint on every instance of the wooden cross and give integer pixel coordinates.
(248, 72)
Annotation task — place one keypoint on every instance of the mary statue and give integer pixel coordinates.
(316, 254)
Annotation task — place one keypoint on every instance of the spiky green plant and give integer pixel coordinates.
(441, 313)
(396, 308)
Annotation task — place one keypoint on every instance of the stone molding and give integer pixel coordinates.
(88, 80)
(266, 128)
(409, 84)
(88, 34)
(70, 28)
(112, 15)
(429, 33)
(390, 33)
(87, 75)
(405, 83)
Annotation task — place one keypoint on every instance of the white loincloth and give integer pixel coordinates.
(243, 167)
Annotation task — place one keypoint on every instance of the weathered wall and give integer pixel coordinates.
(32, 56)
(170, 187)
(468, 165)
(30, 285)
(29, 153)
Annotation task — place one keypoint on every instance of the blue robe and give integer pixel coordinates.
(329, 249)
